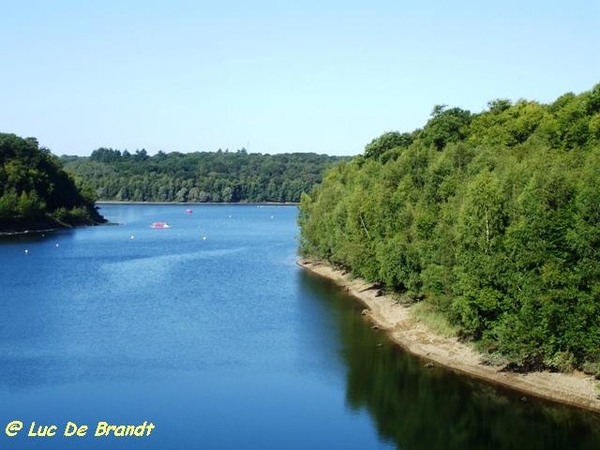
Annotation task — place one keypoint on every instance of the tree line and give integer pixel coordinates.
(36, 192)
(491, 219)
(220, 176)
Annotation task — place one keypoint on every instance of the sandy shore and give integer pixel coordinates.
(576, 389)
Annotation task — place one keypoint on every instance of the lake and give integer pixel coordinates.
(209, 331)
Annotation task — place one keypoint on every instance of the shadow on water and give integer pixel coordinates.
(31, 236)
(423, 408)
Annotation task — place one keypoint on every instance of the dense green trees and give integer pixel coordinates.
(36, 191)
(492, 218)
(220, 176)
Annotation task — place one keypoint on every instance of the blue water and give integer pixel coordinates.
(209, 331)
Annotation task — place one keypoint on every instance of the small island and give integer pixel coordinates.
(36, 193)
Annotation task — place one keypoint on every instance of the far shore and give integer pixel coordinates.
(575, 389)
(127, 202)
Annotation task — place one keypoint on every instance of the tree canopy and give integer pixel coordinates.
(35, 191)
(220, 176)
(492, 219)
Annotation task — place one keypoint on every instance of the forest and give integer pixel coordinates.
(220, 176)
(35, 191)
(489, 221)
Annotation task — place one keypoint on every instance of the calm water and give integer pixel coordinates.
(210, 331)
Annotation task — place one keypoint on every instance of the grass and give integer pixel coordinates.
(426, 313)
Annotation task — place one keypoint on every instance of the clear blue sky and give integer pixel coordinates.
(276, 76)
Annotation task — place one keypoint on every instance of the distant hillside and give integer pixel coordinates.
(490, 221)
(199, 177)
(35, 192)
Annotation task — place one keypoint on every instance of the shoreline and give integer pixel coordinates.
(574, 389)
(24, 232)
(44, 226)
(126, 202)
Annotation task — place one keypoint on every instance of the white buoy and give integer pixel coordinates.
(26, 250)
(57, 245)
(132, 237)
(203, 238)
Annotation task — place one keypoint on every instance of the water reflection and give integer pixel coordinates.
(420, 408)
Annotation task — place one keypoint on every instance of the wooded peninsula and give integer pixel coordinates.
(489, 223)
(36, 193)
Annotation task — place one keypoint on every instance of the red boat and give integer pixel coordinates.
(160, 225)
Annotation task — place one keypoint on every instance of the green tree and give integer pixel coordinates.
(34, 186)
(445, 126)
(492, 217)
(387, 141)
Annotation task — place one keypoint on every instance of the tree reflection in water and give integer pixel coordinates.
(428, 408)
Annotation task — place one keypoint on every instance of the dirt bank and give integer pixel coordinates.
(575, 389)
